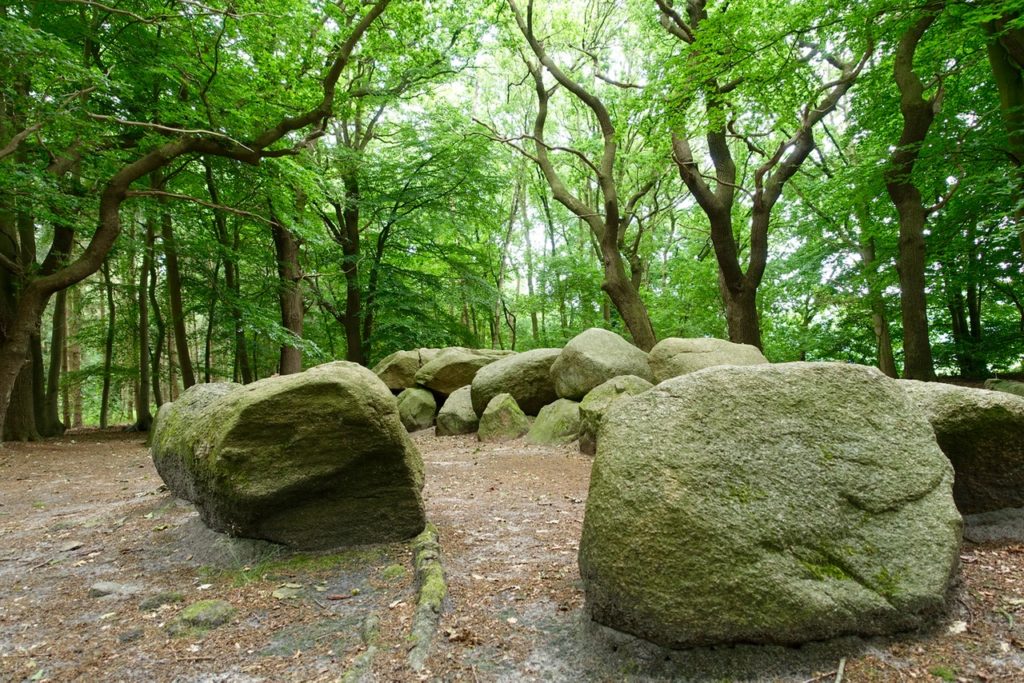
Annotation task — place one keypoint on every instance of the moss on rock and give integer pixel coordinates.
(558, 423)
(713, 518)
(502, 420)
(312, 460)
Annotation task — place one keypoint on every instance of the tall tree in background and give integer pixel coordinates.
(607, 215)
(918, 112)
(705, 56)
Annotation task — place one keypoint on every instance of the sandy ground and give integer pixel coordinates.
(89, 508)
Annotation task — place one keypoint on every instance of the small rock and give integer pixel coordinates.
(160, 599)
(130, 636)
(103, 588)
(416, 408)
(201, 616)
(71, 545)
(558, 423)
(288, 591)
(457, 415)
(502, 420)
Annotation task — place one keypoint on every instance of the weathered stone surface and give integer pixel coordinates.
(399, 369)
(982, 434)
(558, 423)
(1005, 385)
(597, 402)
(593, 357)
(455, 367)
(502, 420)
(312, 460)
(457, 415)
(526, 376)
(416, 408)
(768, 503)
(675, 356)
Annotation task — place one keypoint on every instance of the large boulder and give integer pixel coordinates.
(398, 370)
(768, 504)
(597, 402)
(455, 367)
(982, 434)
(416, 408)
(526, 376)
(457, 415)
(502, 420)
(1006, 385)
(674, 356)
(558, 423)
(593, 357)
(312, 460)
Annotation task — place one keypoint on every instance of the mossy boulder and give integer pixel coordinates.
(592, 358)
(455, 367)
(675, 356)
(416, 408)
(597, 402)
(558, 423)
(398, 370)
(768, 504)
(526, 376)
(457, 415)
(312, 460)
(1005, 385)
(502, 420)
(200, 617)
(982, 434)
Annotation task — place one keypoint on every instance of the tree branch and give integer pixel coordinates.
(196, 200)
(16, 141)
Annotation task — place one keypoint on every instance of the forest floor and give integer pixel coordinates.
(97, 560)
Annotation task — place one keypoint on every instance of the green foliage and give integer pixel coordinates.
(460, 241)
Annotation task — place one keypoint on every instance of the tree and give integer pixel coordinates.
(710, 55)
(179, 141)
(606, 214)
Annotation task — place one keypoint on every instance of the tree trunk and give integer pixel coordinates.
(188, 377)
(144, 417)
(626, 299)
(172, 367)
(158, 346)
(38, 382)
(65, 392)
(289, 274)
(348, 222)
(534, 323)
(75, 359)
(230, 246)
(879, 317)
(741, 314)
(235, 286)
(108, 348)
(917, 350)
(210, 318)
(371, 291)
(1006, 58)
(918, 114)
(52, 426)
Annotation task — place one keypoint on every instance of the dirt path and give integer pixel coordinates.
(86, 509)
